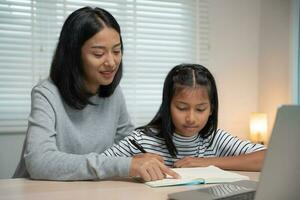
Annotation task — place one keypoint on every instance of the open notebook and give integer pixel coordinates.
(198, 175)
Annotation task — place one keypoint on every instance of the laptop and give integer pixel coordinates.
(280, 176)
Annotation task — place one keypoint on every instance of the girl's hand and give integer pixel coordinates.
(192, 162)
(150, 167)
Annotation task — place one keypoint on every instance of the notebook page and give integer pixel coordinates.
(198, 175)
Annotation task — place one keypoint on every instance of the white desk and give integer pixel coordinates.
(17, 189)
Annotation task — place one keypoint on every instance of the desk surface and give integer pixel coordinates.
(13, 189)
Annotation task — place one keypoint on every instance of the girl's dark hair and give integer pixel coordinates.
(184, 75)
(66, 68)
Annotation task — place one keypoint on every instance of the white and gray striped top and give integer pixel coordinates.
(224, 144)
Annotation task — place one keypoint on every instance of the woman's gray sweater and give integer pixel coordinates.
(63, 143)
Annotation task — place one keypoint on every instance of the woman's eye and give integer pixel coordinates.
(117, 52)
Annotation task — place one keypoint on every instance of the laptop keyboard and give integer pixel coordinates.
(244, 196)
(240, 190)
(230, 191)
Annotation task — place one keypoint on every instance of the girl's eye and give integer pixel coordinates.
(200, 110)
(181, 108)
(98, 55)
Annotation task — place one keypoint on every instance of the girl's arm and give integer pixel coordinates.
(246, 162)
(228, 152)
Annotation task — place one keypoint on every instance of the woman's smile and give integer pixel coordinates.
(108, 74)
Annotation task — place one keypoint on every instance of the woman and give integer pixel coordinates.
(80, 110)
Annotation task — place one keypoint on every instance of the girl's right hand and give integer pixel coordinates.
(150, 167)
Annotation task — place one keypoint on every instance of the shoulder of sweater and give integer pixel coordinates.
(222, 131)
(46, 86)
(219, 133)
(118, 92)
(140, 134)
(48, 90)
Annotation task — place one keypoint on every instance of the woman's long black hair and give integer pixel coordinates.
(66, 69)
(184, 75)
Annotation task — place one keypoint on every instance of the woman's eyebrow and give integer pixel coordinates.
(204, 103)
(103, 47)
(200, 104)
(116, 45)
(97, 47)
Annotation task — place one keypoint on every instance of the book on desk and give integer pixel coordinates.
(198, 175)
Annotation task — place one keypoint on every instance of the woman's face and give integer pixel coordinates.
(190, 110)
(101, 56)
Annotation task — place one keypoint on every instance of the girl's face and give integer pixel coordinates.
(101, 56)
(190, 110)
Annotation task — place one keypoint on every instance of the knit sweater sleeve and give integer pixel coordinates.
(125, 148)
(125, 125)
(44, 160)
(229, 145)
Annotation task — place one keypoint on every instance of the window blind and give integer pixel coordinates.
(157, 36)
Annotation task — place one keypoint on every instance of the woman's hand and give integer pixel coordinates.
(150, 167)
(192, 162)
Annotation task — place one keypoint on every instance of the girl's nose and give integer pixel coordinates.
(190, 118)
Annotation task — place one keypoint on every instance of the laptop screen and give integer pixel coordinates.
(280, 176)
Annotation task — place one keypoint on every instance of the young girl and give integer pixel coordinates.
(184, 131)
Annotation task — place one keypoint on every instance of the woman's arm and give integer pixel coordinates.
(125, 126)
(246, 162)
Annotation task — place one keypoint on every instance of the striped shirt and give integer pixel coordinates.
(224, 144)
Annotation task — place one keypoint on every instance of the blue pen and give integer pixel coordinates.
(138, 146)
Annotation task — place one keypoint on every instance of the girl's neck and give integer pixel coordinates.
(184, 137)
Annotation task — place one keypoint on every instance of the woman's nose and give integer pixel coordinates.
(110, 61)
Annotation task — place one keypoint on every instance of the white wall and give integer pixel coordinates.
(251, 59)
(234, 37)
(275, 57)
